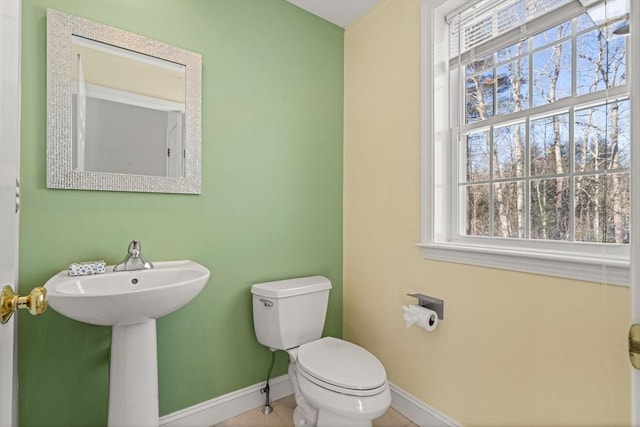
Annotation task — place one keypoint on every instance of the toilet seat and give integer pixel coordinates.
(342, 367)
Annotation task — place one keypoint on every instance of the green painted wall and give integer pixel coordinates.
(270, 208)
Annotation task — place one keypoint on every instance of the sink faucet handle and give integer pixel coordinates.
(135, 245)
(135, 248)
(134, 259)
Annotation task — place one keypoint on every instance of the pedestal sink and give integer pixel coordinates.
(129, 301)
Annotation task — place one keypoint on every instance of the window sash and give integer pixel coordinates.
(458, 220)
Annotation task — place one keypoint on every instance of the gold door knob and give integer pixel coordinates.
(35, 302)
(634, 345)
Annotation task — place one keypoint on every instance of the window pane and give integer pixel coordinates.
(549, 145)
(550, 209)
(477, 215)
(602, 135)
(591, 49)
(617, 207)
(508, 213)
(602, 208)
(476, 149)
(513, 86)
(552, 35)
(511, 14)
(601, 59)
(590, 134)
(610, 10)
(479, 97)
(537, 7)
(617, 60)
(508, 151)
(513, 51)
(552, 74)
(619, 131)
(584, 22)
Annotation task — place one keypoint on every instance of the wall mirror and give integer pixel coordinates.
(123, 111)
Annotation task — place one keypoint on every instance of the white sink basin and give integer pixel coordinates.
(126, 297)
(130, 302)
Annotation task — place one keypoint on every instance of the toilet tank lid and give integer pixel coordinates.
(291, 287)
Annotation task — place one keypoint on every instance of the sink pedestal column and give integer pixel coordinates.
(133, 377)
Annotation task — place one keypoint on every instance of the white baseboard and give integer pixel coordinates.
(240, 401)
(418, 411)
(228, 405)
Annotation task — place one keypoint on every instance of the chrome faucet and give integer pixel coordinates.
(134, 259)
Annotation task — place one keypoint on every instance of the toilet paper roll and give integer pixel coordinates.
(420, 316)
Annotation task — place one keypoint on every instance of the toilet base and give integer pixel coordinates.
(326, 419)
(300, 419)
(329, 419)
(303, 415)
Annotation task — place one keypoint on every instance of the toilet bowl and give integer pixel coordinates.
(341, 378)
(336, 383)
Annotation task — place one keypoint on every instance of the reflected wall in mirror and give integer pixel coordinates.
(144, 96)
(124, 111)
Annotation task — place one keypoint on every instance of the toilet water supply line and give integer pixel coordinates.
(267, 409)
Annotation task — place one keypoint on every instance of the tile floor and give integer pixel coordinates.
(282, 416)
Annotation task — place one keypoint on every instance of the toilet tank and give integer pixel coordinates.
(289, 313)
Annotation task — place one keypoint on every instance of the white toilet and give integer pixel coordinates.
(336, 383)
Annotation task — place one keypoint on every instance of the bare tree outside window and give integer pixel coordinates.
(555, 174)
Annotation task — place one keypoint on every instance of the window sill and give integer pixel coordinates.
(611, 271)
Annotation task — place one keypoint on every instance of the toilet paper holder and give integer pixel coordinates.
(431, 303)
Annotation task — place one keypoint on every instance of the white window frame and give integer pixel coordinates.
(588, 262)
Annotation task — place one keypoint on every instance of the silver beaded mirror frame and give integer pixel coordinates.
(61, 174)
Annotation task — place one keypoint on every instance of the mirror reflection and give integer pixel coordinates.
(128, 111)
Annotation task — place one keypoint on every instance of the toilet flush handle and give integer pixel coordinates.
(266, 302)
